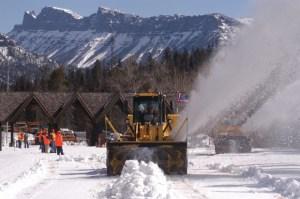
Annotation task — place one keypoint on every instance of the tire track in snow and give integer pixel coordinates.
(182, 188)
(43, 184)
(10, 190)
(67, 177)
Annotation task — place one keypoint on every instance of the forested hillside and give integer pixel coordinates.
(174, 72)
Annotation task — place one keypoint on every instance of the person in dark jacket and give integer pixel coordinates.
(26, 141)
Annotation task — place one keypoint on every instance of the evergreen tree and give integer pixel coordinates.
(97, 76)
(57, 81)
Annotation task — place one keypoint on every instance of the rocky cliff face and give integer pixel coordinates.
(17, 61)
(69, 38)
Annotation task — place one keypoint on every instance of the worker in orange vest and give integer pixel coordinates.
(59, 143)
(39, 137)
(46, 142)
(43, 137)
(20, 139)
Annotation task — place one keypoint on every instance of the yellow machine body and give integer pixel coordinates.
(148, 137)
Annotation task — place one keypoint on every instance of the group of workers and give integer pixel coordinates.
(52, 141)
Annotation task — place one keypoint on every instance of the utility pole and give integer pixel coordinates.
(7, 79)
(1, 137)
(6, 134)
(12, 130)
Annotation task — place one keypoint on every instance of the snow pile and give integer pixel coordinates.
(138, 180)
(290, 188)
(28, 178)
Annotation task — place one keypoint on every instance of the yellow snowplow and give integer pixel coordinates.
(230, 139)
(148, 137)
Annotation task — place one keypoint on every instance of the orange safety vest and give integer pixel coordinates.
(58, 140)
(46, 140)
(21, 136)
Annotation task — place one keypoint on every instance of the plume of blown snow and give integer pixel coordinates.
(269, 44)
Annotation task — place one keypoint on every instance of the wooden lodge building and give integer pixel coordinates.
(76, 111)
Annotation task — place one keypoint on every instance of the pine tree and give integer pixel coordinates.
(57, 81)
(97, 76)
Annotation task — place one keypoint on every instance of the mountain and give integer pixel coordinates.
(18, 61)
(69, 38)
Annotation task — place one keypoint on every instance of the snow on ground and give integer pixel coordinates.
(27, 173)
(81, 173)
(264, 173)
(18, 171)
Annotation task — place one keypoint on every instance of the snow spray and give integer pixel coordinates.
(145, 154)
(260, 65)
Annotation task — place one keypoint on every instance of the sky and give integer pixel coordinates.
(12, 11)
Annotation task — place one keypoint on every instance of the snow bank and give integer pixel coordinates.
(28, 178)
(290, 188)
(139, 180)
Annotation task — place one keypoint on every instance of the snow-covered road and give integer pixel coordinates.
(27, 173)
(81, 173)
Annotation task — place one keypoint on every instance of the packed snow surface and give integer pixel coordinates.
(139, 180)
(81, 173)
(286, 186)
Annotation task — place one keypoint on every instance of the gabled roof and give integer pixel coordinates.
(9, 102)
(20, 109)
(53, 101)
(75, 97)
(117, 97)
(96, 101)
(53, 104)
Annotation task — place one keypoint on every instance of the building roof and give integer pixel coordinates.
(11, 101)
(53, 103)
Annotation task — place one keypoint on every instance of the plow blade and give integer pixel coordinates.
(171, 157)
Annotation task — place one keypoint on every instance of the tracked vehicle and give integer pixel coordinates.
(149, 136)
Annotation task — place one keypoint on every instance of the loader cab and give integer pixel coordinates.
(148, 108)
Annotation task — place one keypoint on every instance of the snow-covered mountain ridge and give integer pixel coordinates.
(69, 38)
(18, 61)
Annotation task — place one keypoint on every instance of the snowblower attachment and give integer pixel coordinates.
(148, 137)
(170, 156)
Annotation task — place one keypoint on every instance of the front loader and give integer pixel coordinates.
(148, 137)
